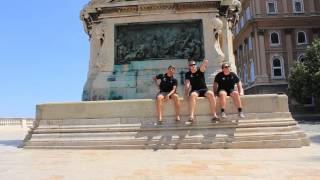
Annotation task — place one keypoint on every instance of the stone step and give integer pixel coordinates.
(190, 137)
(112, 121)
(135, 135)
(165, 123)
(283, 143)
(219, 125)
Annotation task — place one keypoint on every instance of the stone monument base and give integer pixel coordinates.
(129, 124)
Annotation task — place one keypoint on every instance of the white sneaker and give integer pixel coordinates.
(223, 115)
(241, 115)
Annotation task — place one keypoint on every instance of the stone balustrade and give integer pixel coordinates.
(22, 122)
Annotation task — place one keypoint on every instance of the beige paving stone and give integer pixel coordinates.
(297, 163)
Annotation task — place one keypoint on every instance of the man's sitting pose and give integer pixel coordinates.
(168, 89)
(195, 86)
(224, 84)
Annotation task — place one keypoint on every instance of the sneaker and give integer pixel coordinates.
(223, 115)
(241, 115)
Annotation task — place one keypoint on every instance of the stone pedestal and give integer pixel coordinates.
(127, 48)
(129, 124)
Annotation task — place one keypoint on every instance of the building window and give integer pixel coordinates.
(302, 37)
(237, 29)
(301, 57)
(277, 68)
(241, 22)
(272, 7)
(245, 74)
(274, 38)
(248, 13)
(252, 76)
(298, 6)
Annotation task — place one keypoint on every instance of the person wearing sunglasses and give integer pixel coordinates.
(168, 90)
(224, 85)
(195, 86)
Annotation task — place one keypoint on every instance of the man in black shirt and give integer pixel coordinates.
(195, 86)
(168, 89)
(224, 84)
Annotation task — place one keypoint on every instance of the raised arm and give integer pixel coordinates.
(204, 65)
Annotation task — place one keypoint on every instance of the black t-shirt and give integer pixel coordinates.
(226, 82)
(197, 80)
(167, 83)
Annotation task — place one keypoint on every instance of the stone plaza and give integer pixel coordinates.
(289, 163)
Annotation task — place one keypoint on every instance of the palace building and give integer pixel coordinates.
(270, 37)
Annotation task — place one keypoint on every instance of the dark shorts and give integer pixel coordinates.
(200, 92)
(165, 94)
(228, 91)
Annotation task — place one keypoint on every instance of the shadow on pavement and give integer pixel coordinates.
(315, 139)
(14, 143)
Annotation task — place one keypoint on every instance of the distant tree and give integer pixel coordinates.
(304, 79)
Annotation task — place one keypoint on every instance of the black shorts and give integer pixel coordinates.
(228, 91)
(165, 94)
(200, 92)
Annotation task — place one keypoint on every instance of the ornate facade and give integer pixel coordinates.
(270, 37)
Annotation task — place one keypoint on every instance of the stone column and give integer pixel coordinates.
(262, 57)
(258, 8)
(285, 6)
(288, 34)
(227, 46)
(312, 6)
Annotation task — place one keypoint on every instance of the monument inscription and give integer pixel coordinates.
(156, 41)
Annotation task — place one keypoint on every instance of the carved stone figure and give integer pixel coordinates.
(233, 14)
(217, 33)
(97, 40)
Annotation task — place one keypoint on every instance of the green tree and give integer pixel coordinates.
(304, 79)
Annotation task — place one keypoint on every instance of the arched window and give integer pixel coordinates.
(301, 58)
(277, 67)
(274, 38)
(302, 37)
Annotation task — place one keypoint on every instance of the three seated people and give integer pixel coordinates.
(195, 86)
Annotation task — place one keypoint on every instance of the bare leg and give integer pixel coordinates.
(223, 99)
(176, 100)
(160, 99)
(236, 99)
(212, 101)
(192, 103)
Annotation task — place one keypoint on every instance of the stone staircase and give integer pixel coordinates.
(59, 126)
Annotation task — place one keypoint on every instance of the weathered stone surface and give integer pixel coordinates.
(122, 67)
(129, 124)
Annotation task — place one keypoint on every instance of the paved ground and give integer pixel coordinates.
(302, 163)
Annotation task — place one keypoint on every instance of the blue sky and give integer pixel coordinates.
(44, 54)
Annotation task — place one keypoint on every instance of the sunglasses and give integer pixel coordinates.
(226, 67)
(192, 64)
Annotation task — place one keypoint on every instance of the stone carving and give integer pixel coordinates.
(217, 34)
(97, 40)
(234, 12)
(159, 41)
